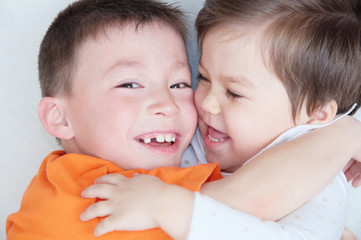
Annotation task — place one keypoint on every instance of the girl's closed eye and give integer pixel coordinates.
(232, 95)
(202, 78)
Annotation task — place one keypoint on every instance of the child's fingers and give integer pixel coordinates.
(109, 224)
(353, 170)
(102, 191)
(110, 179)
(356, 182)
(116, 222)
(99, 209)
(348, 175)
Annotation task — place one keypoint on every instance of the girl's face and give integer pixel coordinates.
(242, 106)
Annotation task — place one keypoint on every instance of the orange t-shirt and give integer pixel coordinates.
(51, 205)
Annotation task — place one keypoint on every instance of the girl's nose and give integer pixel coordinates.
(211, 104)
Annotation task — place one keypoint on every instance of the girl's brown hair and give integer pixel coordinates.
(313, 46)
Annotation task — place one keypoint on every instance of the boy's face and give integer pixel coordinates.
(131, 100)
(242, 106)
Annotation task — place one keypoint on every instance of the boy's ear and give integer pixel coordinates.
(52, 117)
(324, 114)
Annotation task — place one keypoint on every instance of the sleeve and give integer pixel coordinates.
(322, 217)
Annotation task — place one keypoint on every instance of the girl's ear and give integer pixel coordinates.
(324, 114)
(52, 117)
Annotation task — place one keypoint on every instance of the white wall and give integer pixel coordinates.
(23, 142)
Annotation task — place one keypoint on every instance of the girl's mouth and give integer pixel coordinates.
(214, 137)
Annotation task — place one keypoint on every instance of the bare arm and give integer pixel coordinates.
(284, 177)
(269, 187)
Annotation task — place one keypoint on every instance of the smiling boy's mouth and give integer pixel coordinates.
(158, 139)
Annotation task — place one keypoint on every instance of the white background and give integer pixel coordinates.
(23, 142)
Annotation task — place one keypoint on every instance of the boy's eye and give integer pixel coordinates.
(180, 85)
(232, 95)
(129, 85)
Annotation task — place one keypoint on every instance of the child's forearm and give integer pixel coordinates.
(284, 177)
(174, 211)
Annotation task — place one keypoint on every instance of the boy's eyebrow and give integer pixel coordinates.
(118, 65)
(124, 63)
(127, 63)
(182, 64)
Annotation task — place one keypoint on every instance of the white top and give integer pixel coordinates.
(194, 154)
(322, 217)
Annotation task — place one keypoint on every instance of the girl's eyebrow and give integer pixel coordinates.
(232, 79)
(200, 67)
(242, 80)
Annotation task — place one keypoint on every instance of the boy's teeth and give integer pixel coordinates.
(168, 137)
(160, 138)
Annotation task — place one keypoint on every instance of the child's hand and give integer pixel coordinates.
(138, 203)
(353, 168)
(126, 200)
(353, 172)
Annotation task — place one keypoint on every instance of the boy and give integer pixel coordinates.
(113, 91)
(284, 57)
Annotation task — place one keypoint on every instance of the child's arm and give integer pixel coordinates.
(284, 177)
(317, 219)
(337, 143)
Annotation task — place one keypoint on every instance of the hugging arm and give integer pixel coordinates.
(285, 177)
(317, 219)
(277, 182)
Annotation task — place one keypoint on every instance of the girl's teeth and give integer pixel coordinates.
(215, 140)
(147, 140)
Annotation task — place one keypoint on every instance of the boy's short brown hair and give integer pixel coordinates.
(313, 46)
(85, 19)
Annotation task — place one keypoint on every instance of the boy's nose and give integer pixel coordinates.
(163, 103)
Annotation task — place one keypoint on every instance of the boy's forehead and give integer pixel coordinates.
(102, 31)
(129, 45)
(128, 32)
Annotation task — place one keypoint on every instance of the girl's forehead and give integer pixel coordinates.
(232, 31)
